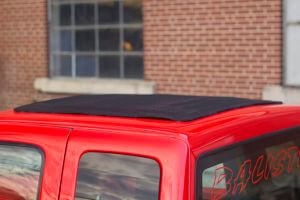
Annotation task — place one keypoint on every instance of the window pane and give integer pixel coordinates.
(133, 11)
(133, 40)
(115, 177)
(63, 65)
(65, 15)
(109, 40)
(20, 170)
(84, 14)
(66, 41)
(109, 66)
(85, 40)
(134, 67)
(109, 12)
(265, 169)
(85, 66)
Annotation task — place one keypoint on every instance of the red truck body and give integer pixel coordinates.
(64, 138)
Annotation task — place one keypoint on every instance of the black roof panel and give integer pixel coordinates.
(168, 107)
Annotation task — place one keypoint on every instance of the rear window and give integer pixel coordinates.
(20, 172)
(105, 176)
(263, 168)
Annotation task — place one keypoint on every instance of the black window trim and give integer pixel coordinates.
(32, 146)
(199, 168)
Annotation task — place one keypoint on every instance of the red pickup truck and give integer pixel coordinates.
(150, 147)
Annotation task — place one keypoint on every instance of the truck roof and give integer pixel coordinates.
(221, 128)
(181, 114)
(165, 107)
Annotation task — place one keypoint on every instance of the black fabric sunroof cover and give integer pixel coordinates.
(168, 107)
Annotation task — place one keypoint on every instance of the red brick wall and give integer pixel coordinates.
(202, 47)
(23, 49)
(213, 47)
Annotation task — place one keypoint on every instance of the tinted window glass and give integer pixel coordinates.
(85, 66)
(85, 40)
(20, 170)
(65, 63)
(133, 40)
(134, 67)
(109, 40)
(133, 11)
(84, 14)
(117, 177)
(109, 66)
(65, 15)
(65, 40)
(109, 12)
(266, 168)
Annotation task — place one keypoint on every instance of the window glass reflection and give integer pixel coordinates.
(85, 66)
(64, 64)
(65, 40)
(264, 169)
(20, 169)
(117, 177)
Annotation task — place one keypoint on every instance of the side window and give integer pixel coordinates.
(105, 176)
(20, 172)
(266, 168)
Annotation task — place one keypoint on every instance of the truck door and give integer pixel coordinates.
(31, 161)
(111, 165)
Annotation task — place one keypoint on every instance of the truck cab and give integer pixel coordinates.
(150, 147)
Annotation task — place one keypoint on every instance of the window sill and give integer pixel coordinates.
(285, 94)
(93, 86)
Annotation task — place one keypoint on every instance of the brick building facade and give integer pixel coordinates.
(194, 47)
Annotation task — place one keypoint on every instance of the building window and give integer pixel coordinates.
(292, 42)
(96, 38)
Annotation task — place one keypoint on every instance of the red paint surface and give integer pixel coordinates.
(174, 145)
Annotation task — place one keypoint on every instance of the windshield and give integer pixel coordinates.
(265, 168)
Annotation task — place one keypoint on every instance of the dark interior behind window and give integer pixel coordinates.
(263, 168)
